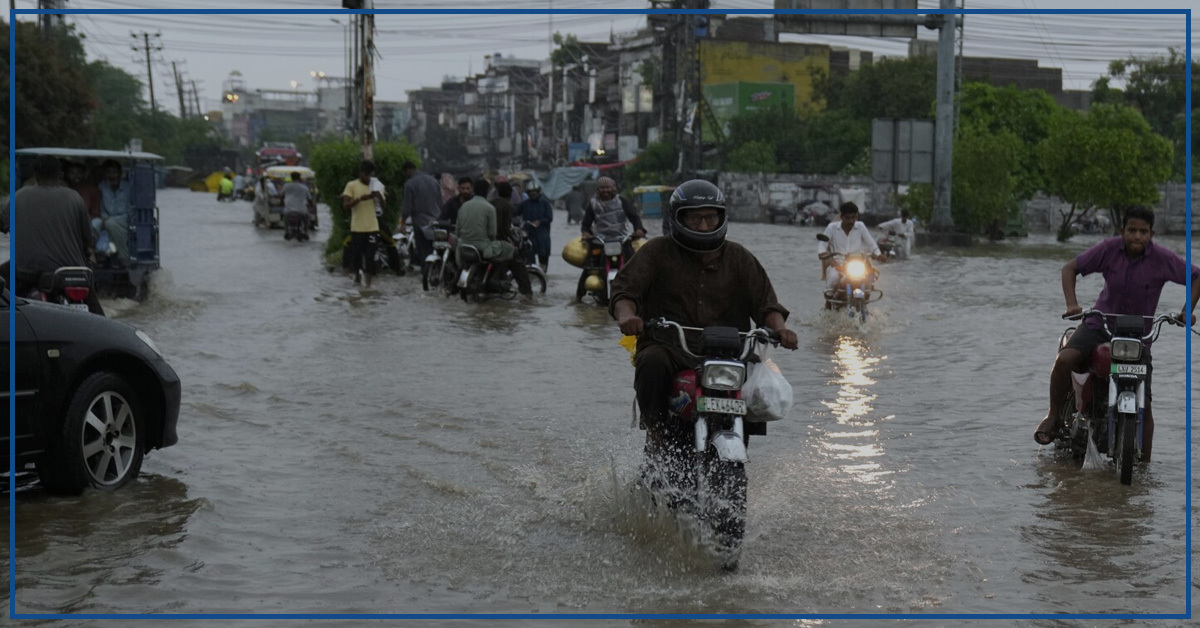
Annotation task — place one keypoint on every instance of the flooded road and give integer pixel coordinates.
(394, 451)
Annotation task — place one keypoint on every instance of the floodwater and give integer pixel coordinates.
(393, 451)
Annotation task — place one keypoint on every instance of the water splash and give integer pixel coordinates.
(1093, 460)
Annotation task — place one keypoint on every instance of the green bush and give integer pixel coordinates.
(336, 163)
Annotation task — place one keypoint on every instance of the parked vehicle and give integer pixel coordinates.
(112, 275)
(93, 396)
(1107, 402)
(705, 453)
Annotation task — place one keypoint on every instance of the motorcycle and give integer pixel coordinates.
(892, 245)
(704, 454)
(1107, 401)
(855, 284)
(606, 257)
(294, 228)
(440, 269)
(69, 286)
(479, 278)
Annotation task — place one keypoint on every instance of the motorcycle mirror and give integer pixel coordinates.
(822, 237)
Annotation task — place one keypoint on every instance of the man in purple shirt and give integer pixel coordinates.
(1135, 271)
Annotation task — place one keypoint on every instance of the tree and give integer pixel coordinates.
(1109, 159)
(1027, 114)
(752, 157)
(336, 163)
(54, 104)
(1156, 86)
(777, 127)
(654, 166)
(986, 178)
(888, 88)
(833, 140)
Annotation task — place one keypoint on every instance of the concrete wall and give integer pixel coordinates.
(1042, 213)
(748, 196)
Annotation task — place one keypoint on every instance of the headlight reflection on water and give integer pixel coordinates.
(854, 439)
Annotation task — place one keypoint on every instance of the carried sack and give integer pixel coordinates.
(767, 393)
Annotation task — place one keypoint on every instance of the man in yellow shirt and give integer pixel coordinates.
(359, 200)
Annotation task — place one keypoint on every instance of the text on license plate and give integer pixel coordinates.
(80, 306)
(721, 405)
(1129, 369)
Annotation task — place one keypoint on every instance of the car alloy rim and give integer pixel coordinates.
(109, 438)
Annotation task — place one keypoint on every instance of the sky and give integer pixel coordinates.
(273, 51)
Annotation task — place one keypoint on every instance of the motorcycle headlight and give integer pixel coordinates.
(856, 269)
(1126, 349)
(723, 375)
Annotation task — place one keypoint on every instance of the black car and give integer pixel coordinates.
(93, 396)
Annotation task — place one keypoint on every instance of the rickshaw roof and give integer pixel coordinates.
(274, 171)
(83, 153)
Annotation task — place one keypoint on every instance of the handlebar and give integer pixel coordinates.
(752, 337)
(1156, 322)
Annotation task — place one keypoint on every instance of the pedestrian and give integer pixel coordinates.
(420, 206)
(574, 202)
(538, 214)
(359, 200)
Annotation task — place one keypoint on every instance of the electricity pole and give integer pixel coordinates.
(368, 69)
(149, 72)
(179, 90)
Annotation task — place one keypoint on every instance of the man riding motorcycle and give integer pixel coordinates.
(699, 279)
(1135, 271)
(606, 214)
(847, 236)
(477, 226)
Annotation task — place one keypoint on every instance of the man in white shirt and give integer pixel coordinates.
(903, 226)
(847, 236)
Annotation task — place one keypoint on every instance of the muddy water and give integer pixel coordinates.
(392, 451)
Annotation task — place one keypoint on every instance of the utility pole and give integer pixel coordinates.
(944, 128)
(47, 20)
(179, 90)
(368, 69)
(196, 98)
(149, 72)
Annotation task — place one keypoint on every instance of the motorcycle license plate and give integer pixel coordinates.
(612, 248)
(79, 306)
(1128, 369)
(721, 405)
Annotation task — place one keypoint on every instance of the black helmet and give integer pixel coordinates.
(695, 194)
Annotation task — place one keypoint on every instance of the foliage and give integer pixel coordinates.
(777, 127)
(984, 189)
(833, 140)
(53, 102)
(654, 166)
(918, 200)
(1108, 159)
(651, 73)
(888, 88)
(1027, 114)
(120, 109)
(752, 157)
(336, 164)
(859, 166)
(823, 143)
(568, 51)
(1156, 86)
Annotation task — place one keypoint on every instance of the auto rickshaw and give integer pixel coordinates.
(120, 271)
(268, 197)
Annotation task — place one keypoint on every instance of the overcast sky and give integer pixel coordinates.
(271, 51)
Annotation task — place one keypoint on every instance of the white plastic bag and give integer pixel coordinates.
(767, 393)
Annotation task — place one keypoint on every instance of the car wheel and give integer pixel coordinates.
(100, 444)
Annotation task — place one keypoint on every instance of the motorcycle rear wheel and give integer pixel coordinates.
(537, 279)
(1127, 446)
(431, 275)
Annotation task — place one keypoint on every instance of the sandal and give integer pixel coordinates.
(1044, 434)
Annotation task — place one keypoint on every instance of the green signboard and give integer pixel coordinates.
(730, 100)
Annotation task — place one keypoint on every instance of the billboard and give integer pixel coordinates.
(730, 100)
(902, 150)
(861, 25)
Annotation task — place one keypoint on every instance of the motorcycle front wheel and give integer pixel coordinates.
(537, 279)
(1126, 446)
(725, 507)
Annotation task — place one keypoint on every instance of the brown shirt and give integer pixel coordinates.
(667, 280)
